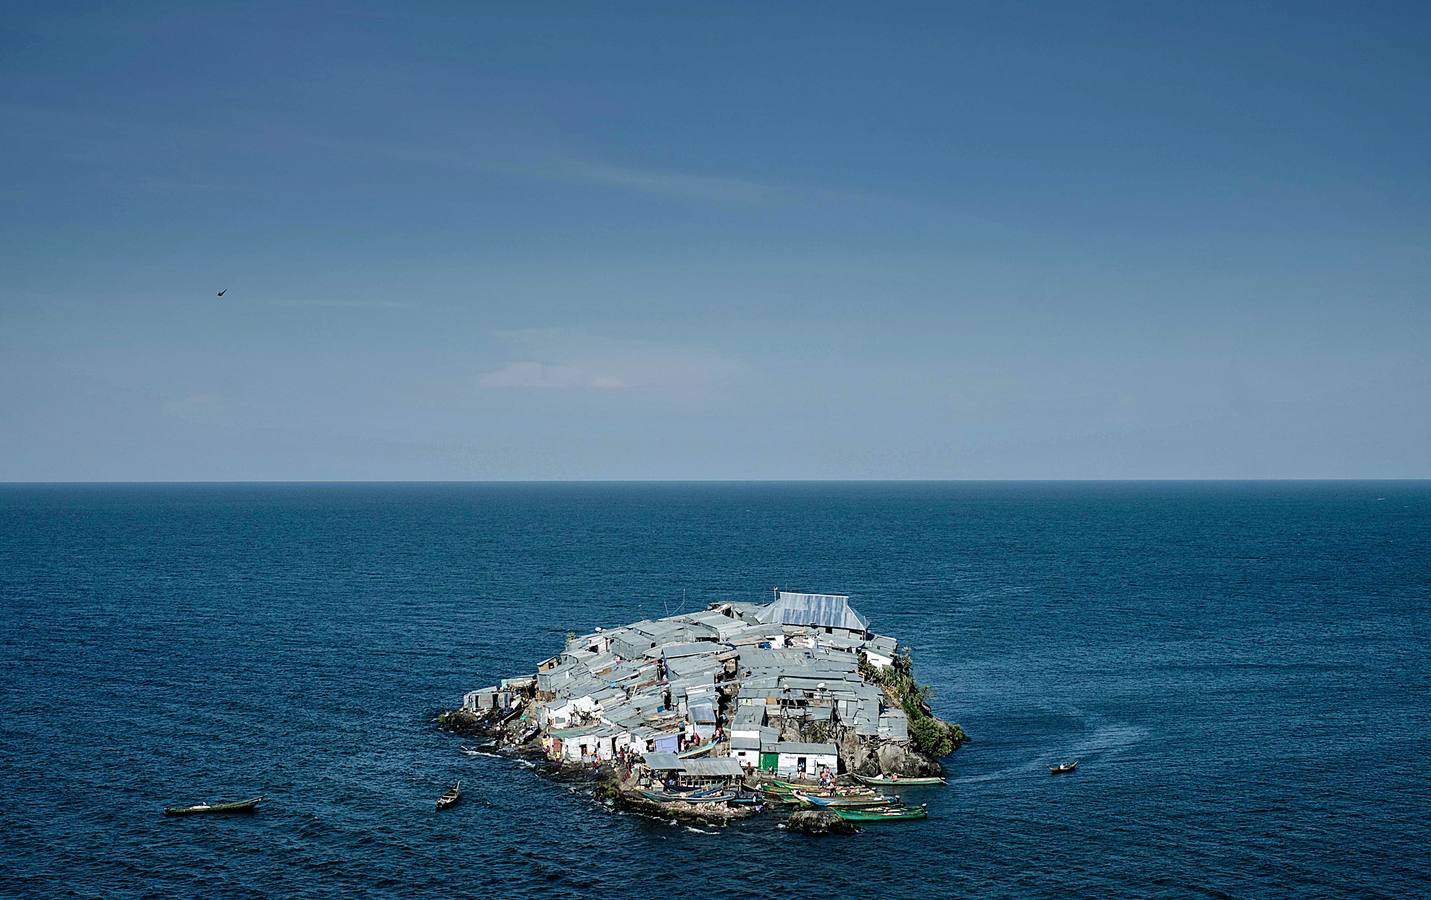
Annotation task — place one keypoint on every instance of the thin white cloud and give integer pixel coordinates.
(107, 139)
(703, 187)
(688, 185)
(199, 408)
(513, 157)
(532, 374)
(573, 360)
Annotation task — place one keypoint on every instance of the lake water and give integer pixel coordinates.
(1241, 668)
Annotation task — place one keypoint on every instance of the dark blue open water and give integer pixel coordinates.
(1241, 668)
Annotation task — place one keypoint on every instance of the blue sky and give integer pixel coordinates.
(631, 241)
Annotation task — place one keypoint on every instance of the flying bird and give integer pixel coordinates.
(224, 291)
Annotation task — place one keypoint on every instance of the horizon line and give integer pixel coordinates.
(574, 481)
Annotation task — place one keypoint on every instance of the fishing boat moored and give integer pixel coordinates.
(871, 801)
(882, 814)
(237, 806)
(699, 797)
(897, 781)
(449, 799)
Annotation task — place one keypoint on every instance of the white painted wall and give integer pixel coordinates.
(788, 764)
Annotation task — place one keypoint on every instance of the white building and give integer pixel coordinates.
(745, 749)
(796, 760)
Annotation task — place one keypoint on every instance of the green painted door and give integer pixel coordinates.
(768, 761)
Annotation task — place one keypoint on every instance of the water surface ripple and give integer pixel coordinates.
(1241, 669)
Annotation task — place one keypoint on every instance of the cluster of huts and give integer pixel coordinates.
(702, 699)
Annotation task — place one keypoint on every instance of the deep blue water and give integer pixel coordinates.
(1241, 668)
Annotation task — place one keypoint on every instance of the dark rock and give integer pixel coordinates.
(460, 721)
(819, 821)
(688, 813)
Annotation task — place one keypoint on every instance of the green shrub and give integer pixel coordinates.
(930, 737)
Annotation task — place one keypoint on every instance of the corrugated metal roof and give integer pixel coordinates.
(703, 711)
(884, 643)
(713, 768)
(690, 648)
(568, 733)
(806, 749)
(664, 761)
(825, 610)
(693, 667)
(750, 715)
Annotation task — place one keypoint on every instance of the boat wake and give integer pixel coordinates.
(1108, 739)
(471, 752)
(1104, 741)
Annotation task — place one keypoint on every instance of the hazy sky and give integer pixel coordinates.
(616, 241)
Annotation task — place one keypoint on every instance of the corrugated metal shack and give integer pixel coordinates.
(735, 674)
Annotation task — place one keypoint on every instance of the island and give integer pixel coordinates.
(718, 714)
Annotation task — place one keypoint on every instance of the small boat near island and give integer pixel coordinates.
(449, 799)
(237, 806)
(1061, 768)
(882, 814)
(851, 802)
(700, 797)
(897, 781)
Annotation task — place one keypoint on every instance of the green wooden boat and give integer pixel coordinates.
(882, 814)
(237, 806)
(791, 786)
(882, 781)
(871, 801)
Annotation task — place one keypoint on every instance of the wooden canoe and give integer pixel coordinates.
(884, 814)
(237, 806)
(883, 781)
(831, 802)
(449, 799)
(665, 797)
